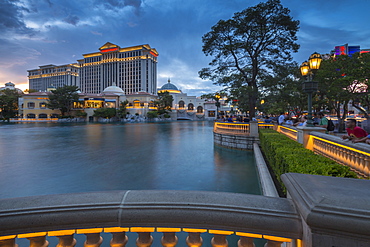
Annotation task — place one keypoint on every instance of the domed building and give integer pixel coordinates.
(186, 107)
(11, 86)
(169, 87)
(113, 90)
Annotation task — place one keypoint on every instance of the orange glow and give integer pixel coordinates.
(194, 230)
(165, 229)
(90, 230)
(288, 129)
(278, 239)
(220, 232)
(116, 229)
(152, 53)
(61, 233)
(7, 237)
(142, 229)
(109, 49)
(32, 235)
(249, 235)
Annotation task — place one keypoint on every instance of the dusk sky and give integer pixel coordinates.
(41, 32)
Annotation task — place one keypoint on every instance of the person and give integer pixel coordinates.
(281, 118)
(363, 139)
(289, 121)
(323, 120)
(267, 119)
(316, 119)
(354, 132)
(302, 121)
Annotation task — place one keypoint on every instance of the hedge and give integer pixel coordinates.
(285, 155)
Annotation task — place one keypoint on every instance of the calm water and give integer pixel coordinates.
(51, 158)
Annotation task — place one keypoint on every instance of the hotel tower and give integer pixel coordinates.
(133, 69)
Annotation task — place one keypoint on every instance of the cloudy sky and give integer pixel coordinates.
(40, 32)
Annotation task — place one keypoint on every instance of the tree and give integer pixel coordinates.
(122, 109)
(62, 98)
(8, 103)
(343, 79)
(105, 112)
(164, 102)
(254, 41)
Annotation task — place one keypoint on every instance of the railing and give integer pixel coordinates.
(231, 128)
(356, 156)
(289, 131)
(144, 212)
(33, 119)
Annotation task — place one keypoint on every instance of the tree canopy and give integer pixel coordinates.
(247, 46)
(62, 98)
(8, 103)
(164, 102)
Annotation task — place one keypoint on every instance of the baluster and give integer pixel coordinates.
(38, 241)
(194, 239)
(8, 243)
(93, 240)
(219, 241)
(144, 239)
(246, 242)
(66, 241)
(169, 239)
(271, 243)
(119, 239)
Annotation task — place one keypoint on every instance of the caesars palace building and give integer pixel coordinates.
(133, 69)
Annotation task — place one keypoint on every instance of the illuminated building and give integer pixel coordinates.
(133, 69)
(51, 75)
(348, 50)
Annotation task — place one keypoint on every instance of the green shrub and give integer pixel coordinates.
(285, 155)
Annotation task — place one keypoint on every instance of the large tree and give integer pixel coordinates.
(8, 103)
(62, 98)
(252, 42)
(343, 79)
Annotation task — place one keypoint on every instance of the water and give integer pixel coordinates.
(53, 158)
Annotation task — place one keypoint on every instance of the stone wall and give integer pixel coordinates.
(242, 142)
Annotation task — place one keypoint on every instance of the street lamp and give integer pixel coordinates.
(308, 70)
(217, 96)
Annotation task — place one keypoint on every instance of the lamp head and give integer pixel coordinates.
(305, 68)
(315, 61)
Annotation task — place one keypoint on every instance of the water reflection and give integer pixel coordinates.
(50, 158)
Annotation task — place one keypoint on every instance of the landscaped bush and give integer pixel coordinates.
(285, 155)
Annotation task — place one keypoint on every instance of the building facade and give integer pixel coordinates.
(133, 69)
(53, 76)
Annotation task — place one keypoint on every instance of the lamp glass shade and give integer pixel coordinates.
(305, 68)
(315, 61)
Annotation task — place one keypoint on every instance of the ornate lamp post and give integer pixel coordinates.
(217, 96)
(308, 70)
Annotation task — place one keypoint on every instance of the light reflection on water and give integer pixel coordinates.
(50, 158)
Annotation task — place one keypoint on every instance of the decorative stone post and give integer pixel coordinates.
(253, 128)
(8, 243)
(194, 239)
(38, 241)
(303, 135)
(246, 242)
(145, 239)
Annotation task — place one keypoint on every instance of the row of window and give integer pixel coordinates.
(31, 105)
(42, 115)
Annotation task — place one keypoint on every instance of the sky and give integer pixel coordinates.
(40, 32)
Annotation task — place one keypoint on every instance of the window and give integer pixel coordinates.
(54, 115)
(190, 107)
(199, 109)
(42, 105)
(43, 115)
(181, 104)
(211, 113)
(31, 115)
(31, 105)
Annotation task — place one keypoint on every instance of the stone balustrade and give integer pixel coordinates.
(231, 128)
(354, 155)
(287, 130)
(319, 211)
(145, 212)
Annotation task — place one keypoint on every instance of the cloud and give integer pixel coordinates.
(11, 18)
(96, 33)
(72, 19)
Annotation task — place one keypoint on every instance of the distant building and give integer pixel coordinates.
(53, 76)
(133, 69)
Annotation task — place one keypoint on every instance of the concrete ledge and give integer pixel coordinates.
(188, 209)
(267, 184)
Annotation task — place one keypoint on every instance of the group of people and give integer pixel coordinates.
(354, 133)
